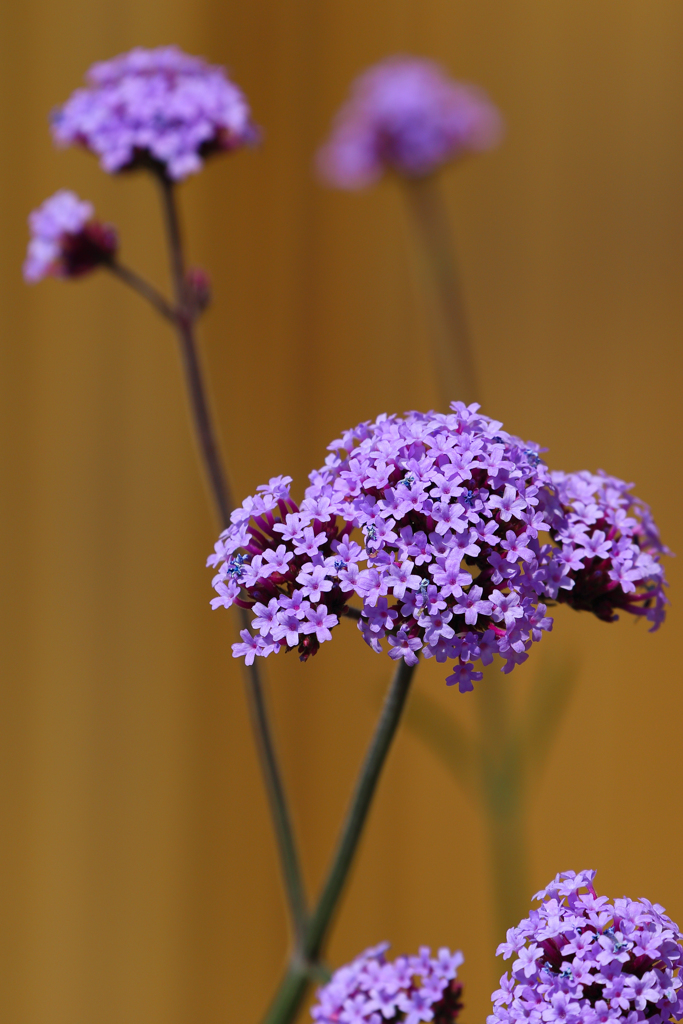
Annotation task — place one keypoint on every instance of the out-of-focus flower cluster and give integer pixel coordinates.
(407, 115)
(159, 108)
(433, 521)
(611, 548)
(410, 989)
(580, 958)
(66, 240)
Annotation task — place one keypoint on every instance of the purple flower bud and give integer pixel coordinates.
(405, 114)
(155, 108)
(580, 958)
(198, 286)
(65, 239)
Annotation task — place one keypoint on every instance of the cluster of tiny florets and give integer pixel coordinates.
(159, 108)
(610, 548)
(580, 959)
(406, 114)
(410, 989)
(432, 521)
(435, 522)
(66, 240)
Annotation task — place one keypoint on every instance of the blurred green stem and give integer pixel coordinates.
(292, 991)
(455, 366)
(498, 764)
(503, 793)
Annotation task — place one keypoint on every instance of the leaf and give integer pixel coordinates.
(549, 698)
(445, 737)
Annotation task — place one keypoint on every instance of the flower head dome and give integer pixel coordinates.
(407, 115)
(410, 989)
(431, 520)
(453, 535)
(581, 959)
(159, 108)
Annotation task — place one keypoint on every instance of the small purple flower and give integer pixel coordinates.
(405, 114)
(464, 677)
(313, 580)
(66, 240)
(157, 108)
(266, 616)
(584, 960)
(319, 622)
(249, 648)
(404, 646)
(373, 990)
(473, 606)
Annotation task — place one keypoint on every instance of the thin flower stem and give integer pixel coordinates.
(143, 288)
(201, 414)
(292, 992)
(454, 357)
(360, 805)
(183, 321)
(277, 799)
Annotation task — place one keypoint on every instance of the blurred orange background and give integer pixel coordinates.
(137, 868)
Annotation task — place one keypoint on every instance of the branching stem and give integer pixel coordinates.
(182, 316)
(294, 986)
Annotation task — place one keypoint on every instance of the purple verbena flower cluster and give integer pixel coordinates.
(408, 115)
(433, 521)
(410, 989)
(66, 240)
(583, 960)
(159, 108)
(610, 548)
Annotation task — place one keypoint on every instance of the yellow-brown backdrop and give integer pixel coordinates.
(137, 867)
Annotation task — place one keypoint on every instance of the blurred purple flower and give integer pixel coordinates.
(66, 241)
(160, 108)
(580, 959)
(373, 990)
(407, 115)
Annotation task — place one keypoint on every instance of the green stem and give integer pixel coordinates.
(454, 358)
(504, 796)
(189, 353)
(143, 288)
(279, 809)
(294, 986)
